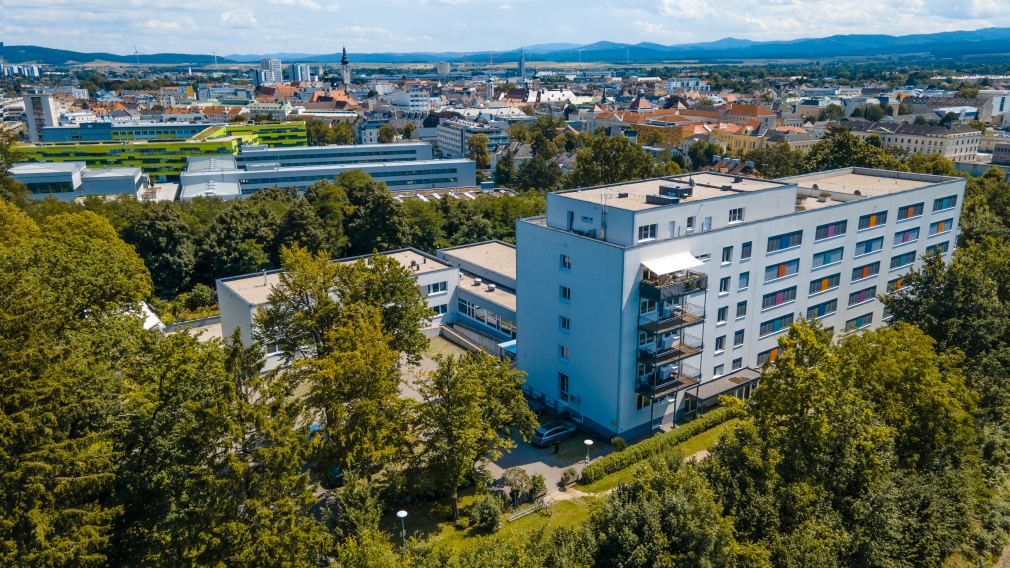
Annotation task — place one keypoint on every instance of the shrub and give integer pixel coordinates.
(538, 485)
(618, 443)
(568, 476)
(486, 513)
(657, 444)
(201, 296)
(519, 482)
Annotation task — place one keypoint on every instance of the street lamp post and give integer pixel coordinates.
(403, 527)
(589, 444)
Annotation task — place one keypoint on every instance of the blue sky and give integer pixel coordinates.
(323, 26)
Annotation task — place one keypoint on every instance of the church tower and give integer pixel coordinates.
(345, 71)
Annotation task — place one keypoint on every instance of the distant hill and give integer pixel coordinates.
(49, 56)
(943, 44)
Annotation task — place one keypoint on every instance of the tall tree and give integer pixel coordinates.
(165, 242)
(471, 404)
(610, 159)
(840, 148)
(477, 150)
(505, 170)
(377, 222)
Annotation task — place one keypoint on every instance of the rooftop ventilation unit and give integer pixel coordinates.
(678, 191)
(476, 281)
(490, 287)
(622, 195)
(727, 188)
(661, 200)
(738, 179)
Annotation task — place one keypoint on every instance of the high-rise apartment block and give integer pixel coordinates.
(635, 298)
(40, 112)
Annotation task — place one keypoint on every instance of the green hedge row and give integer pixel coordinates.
(658, 444)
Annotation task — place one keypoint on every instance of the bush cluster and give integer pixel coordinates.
(655, 445)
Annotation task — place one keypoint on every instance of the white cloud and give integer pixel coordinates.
(307, 4)
(239, 17)
(160, 25)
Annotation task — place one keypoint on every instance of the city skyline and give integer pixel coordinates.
(268, 26)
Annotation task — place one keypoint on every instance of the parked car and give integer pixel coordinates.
(552, 432)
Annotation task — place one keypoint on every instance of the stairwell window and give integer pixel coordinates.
(647, 232)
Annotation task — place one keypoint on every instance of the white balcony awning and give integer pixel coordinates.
(672, 263)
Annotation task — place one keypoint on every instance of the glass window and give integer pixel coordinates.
(830, 230)
(781, 270)
(864, 295)
(896, 284)
(566, 293)
(865, 271)
(823, 309)
(827, 257)
(566, 262)
(744, 280)
(859, 322)
(944, 203)
(564, 323)
(872, 220)
(737, 363)
(720, 343)
(778, 298)
(906, 236)
(741, 309)
(736, 215)
(647, 232)
(788, 240)
(738, 338)
(938, 248)
(775, 325)
(563, 351)
(646, 306)
(745, 250)
(718, 370)
(769, 356)
(903, 259)
(909, 211)
(563, 386)
(727, 254)
(722, 314)
(868, 246)
(940, 227)
(724, 285)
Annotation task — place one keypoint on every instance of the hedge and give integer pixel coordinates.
(658, 444)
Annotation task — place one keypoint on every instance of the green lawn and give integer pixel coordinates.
(433, 521)
(703, 441)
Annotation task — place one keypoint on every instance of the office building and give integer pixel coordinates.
(1001, 154)
(222, 176)
(633, 297)
(273, 66)
(956, 142)
(262, 156)
(443, 68)
(300, 72)
(69, 180)
(112, 131)
(455, 133)
(166, 159)
(40, 112)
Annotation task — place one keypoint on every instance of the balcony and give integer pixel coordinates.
(674, 318)
(658, 385)
(666, 286)
(686, 346)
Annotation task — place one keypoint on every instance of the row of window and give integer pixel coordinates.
(868, 221)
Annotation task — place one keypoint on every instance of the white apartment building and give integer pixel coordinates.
(453, 135)
(957, 142)
(40, 112)
(634, 297)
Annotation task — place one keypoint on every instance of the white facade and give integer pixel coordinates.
(587, 322)
(959, 142)
(40, 112)
(454, 134)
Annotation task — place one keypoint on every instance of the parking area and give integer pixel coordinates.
(571, 453)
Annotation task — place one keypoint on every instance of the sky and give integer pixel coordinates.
(323, 26)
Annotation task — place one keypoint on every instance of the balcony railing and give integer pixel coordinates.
(686, 346)
(658, 385)
(674, 284)
(674, 318)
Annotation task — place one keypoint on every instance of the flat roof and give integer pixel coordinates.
(39, 168)
(495, 256)
(865, 182)
(210, 163)
(503, 297)
(707, 185)
(127, 172)
(255, 288)
(331, 147)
